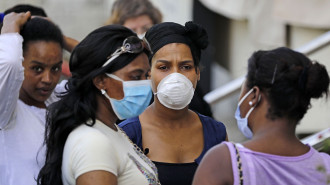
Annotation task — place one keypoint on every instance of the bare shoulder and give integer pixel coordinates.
(215, 168)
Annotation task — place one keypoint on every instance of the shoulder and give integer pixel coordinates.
(88, 149)
(132, 128)
(213, 128)
(131, 125)
(131, 122)
(86, 136)
(215, 162)
(210, 122)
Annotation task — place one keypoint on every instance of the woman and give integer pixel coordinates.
(84, 145)
(174, 137)
(274, 98)
(138, 15)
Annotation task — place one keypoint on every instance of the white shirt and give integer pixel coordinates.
(101, 148)
(22, 126)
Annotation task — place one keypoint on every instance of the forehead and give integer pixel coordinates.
(139, 21)
(139, 63)
(173, 50)
(43, 51)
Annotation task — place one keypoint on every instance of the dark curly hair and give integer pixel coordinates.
(289, 79)
(79, 104)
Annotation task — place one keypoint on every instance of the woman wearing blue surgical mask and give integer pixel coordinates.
(275, 96)
(84, 145)
(172, 136)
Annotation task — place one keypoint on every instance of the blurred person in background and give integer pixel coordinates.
(27, 87)
(174, 137)
(275, 96)
(137, 15)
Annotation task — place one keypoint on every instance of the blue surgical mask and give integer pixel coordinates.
(137, 96)
(242, 123)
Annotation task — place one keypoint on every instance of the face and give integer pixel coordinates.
(138, 69)
(139, 24)
(173, 58)
(42, 70)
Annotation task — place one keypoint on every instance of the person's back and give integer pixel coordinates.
(310, 168)
(26, 90)
(275, 96)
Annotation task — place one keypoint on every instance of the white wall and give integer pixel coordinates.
(77, 18)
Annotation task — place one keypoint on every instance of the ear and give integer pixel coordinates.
(99, 82)
(256, 96)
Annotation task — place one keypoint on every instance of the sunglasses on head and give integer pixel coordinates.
(131, 44)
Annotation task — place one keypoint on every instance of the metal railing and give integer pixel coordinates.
(234, 86)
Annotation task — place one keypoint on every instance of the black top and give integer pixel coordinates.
(176, 173)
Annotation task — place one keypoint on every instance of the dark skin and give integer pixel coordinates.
(173, 136)
(138, 69)
(276, 137)
(42, 71)
(42, 63)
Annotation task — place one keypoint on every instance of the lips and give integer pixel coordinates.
(45, 91)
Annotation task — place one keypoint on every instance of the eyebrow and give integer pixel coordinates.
(137, 71)
(181, 62)
(44, 65)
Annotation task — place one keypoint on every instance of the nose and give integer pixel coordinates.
(47, 77)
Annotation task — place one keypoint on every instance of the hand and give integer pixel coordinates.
(13, 22)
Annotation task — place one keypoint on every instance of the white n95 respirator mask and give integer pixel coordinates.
(175, 91)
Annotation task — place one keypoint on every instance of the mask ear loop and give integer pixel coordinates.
(105, 93)
(114, 77)
(244, 97)
(248, 114)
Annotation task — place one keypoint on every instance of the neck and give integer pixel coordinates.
(170, 117)
(30, 101)
(105, 113)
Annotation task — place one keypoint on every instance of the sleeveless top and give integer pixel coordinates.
(179, 173)
(259, 168)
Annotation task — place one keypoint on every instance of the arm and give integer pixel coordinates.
(97, 177)
(11, 69)
(69, 43)
(215, 168)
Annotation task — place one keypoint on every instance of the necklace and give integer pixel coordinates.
(144, 158)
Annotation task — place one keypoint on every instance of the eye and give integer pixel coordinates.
(162, 67)
(57, 68)
(186, 67)
(37, 69)
(135, 77)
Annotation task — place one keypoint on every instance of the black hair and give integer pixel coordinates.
(289, 79)
(22, 8)
(26, 7)
(79, 105)
(39, 29)
(192, 34)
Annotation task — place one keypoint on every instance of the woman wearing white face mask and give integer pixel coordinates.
(174, 137)
(274, 98)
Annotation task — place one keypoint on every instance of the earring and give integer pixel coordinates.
(103, 91)
(250, 103)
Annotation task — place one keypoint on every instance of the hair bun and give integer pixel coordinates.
(318, 80)
(197, 34)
